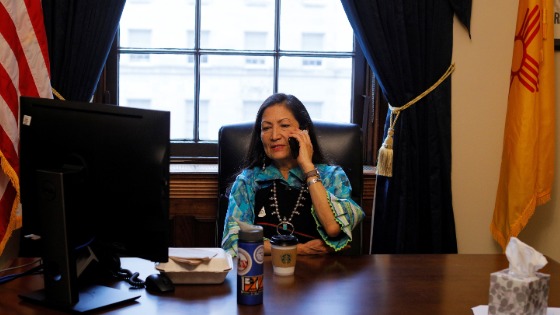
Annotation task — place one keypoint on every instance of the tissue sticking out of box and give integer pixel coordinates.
(520, 289)
(249, 232)
(193, 256)
(246, 227)
(524, 261)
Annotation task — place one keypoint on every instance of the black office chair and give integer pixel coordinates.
(340, 142)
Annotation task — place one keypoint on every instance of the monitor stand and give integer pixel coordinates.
(56, 191)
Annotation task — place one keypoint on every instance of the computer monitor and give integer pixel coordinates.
(92, 176)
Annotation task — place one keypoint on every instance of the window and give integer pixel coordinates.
(312, 42)
(204, 38)
(255, 41)
(250, 108)
(139, 103)
(213, 63)
(315, 109)
(139, 38)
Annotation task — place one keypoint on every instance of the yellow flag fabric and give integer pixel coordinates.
(527, 169)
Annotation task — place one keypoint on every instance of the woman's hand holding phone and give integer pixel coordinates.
(294, 147)
(301, 148)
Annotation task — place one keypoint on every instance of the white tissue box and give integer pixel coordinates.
(518, 296)
(213, 267)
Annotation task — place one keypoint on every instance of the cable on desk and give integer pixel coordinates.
(33, 271)
(130, 277)
(21, 266)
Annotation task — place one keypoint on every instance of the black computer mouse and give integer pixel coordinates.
(159, 283)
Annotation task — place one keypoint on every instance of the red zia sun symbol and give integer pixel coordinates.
(524, 66)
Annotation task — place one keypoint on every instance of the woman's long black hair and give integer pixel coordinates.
(256, 155)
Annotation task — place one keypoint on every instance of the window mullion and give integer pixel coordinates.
(276, 70)
(196, 101)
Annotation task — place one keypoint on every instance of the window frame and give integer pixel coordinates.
(367, 108)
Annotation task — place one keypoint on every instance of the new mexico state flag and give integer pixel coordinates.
(527, 169)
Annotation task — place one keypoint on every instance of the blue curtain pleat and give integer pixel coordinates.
(80, 34)
(408, 45)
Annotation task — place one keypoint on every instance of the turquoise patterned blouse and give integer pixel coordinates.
(242, 198)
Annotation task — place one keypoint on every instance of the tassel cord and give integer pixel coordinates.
(58, 95)
(385, 157)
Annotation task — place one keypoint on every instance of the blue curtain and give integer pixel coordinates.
(80, 34)
(408, 45)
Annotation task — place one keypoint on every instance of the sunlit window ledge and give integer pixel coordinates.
(176, 168)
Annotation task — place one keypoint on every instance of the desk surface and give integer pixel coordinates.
(378, 284)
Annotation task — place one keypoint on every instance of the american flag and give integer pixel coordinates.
(24, 70)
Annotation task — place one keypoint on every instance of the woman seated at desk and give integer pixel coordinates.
(303, 195)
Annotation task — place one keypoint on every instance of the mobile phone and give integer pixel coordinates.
(294, 147)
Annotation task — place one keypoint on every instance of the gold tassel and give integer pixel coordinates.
(385, 157)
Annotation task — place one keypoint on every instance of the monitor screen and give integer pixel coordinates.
(116, 186)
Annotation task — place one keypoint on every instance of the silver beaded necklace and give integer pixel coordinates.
(285, 222)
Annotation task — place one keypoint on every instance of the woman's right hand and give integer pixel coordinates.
(313, 247)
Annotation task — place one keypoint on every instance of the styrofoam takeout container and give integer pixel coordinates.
(207, 266)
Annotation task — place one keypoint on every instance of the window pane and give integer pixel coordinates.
(228, 85)
(139, 38)
(139, 103)
(166, 82)
(228, 21)
(326, 18)
(250, 109)
(255, 40)
(326, 89)
(204, 120)
(169, 21)
(312, 41)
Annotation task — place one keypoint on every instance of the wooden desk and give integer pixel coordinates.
(379, 284)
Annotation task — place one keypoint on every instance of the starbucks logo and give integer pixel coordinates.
(286, 258)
